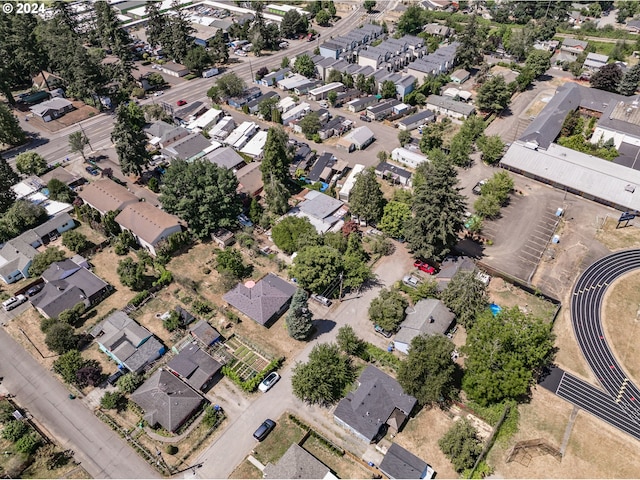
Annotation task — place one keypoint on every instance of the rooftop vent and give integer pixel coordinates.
(630, 188)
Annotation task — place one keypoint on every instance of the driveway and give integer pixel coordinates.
(235, 443)
(101, 451)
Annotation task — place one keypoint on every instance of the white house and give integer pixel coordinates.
(409, 158)
(295, 113)
(350, 182)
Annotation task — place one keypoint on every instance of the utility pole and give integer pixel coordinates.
(341, 277)
(251, 69)
(85, 136)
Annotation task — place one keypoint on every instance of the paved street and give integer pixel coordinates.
(230, 448)
(101, 451)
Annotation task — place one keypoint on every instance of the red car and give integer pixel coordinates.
(181, 102)
(425, 267)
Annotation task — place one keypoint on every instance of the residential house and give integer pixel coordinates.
(225, 157)
(378, 404)
(426, 317)
(148, 224)
(202, 34)
(437, 30)
(52, 109)
(407, 157)
(360, 104)
(345, 191)
(205, 333)
(394, 173)
(249, 94)
(16, 254)
(66, 285)
(633, 26)
(405, 85)
(174, 69)
(595, 62)
(250, 179)
(416, 120)
(241, 135)
(460, 76)
(304, 88)
(105, 195)
(163, 134)
(302, 158)
(324, 212)
(184, 316)
(271, 79)
(457, 94)
(223, 237)
(126, 342)
(295, 113)
(322, 92)
(195, 367)
(255, 146)
(166, 400)
(297, 463)
(436, 4)
(286, 104)
(331, 50)
(358, 139)
(62, 175)
(433, 64)
(450, 266)
(402, 464)
(188, 148)
(382, 110)
(334, 127)
(190, 112)
(223, 128)
(546, 45)
(449, 107)
(571, 48)
(292, 81)
(254, 105)
(262, 301)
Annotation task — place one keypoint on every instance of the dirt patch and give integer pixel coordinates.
(82, 112)
(613, 455)
(618, 238)
(507, 296)
(344, 466)
(420, 436)
(149, 316)
(621, 321)
(246, 469)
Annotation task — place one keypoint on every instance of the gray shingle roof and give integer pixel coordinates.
(417, 117)
(449, 104)
(205, 332)
(262, 301)
(361, 135)
(318, 205)
(194, 365)
(384, 167)
(166, 400)
(188, 147)
(375, 400)
(427, 317)
(225, 157)
(296, 463)
(401, 463)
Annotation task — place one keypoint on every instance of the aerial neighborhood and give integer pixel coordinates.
(319, 239)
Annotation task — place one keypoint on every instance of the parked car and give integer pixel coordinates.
(181, 102)
(158, 93)
(92, 171)
(114, 378)
(268, 382)
(320, 299)
(411, 281)
(35, 289)
(13, 302)
(424, 267)
(382, 331)
(364, 118)
(263, 430)
(477, 188)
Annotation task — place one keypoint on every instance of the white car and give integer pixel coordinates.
(158, 93)
(268, 382)
(13, 302)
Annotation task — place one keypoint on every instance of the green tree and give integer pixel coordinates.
(469, 52)
(27, 444)
(404, 137)
(387, 310)
(334, 76)
(75, 241)
(388, 89)
(202, 194)
(412, 20)
(289, 230)
(68, 364)
(14, 430)
(299, 319)
(369, 5)
(500, 185)
(466, 296)
(305, 66)
(276, 196)
(42, 260)
(129, 139)
(218, 48)
(293, 24)
(438, 207)
(131, 274)
(230, 260)
(172, 322)
(61, 338)
(503, 352)
(8, 178)
(310, 124)
(332, 98)
(494, 95)
(255, 211)
(285, 61)
(266, 108)
(492, 148)
(487, 206)
(113, 401)
(30, 163)
(324, 377)
(316, 268)
(630, 81)
(323, 18)
(11, 132)
(394, 218)
(71, 316)
(276, 155)
(78, 141)
(461, 445)
(116, 38)
(348, 341)
(366, 197)
(356, 269)
(460, 151)
(608, 78)
(428, 373)
(60, 191)
(197, 59)
(539, 61)
(230, 85)
(432, 137)
(129, 382)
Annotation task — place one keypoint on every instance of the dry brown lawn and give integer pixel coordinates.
(246, 469)
(507, 296)
(420, 436)
(148, 315)
(344, 466)
(621, 321)
(91, 234)
(595, 450)
(621, 238)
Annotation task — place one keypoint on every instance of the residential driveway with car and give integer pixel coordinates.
(236, 442)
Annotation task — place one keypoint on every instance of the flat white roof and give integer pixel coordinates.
(205, 119)
(351, 179)
(589, 175)
(243, 129)
(325, 88)
(400, 153)
(256, 144)
(292, 82)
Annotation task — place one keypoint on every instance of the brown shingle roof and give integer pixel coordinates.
(106, 195)
(146, 221)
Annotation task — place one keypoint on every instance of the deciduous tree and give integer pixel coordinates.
(404, 137)
(316, 268)
(230, 85)
(78, 141)
(30, 163)
(492, 148)
(305, 66)
(539, 61)
(131, 274)
(388, 89)
(494, 95)
(387, 309)
(461, 445)
(61, 338)
(394, 218)
(75, 241)
(348, 341)
(310, 124)
(285, 234)
(608, 78)
(68, 364)
(230, 260)
(43, 260)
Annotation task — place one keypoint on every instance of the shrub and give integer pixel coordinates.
(139, 298)
(14, 429)
(171, 449)
(27, 444)
(112, 401)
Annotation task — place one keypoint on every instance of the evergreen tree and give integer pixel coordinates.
(179, 31)
(276, 196)
(78, 141)
(11, 132)
(130, 140)
(494, 95)
(630, 81)
(466, 296)
(366, 197)
(438, 207)
(218, 48)
(469, 53)
(115, 38)
(156, 24)
(276, 156)
(299, 319)
(8, 178)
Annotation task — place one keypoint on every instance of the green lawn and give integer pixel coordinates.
(278, 441)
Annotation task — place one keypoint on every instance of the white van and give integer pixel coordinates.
(13, 302)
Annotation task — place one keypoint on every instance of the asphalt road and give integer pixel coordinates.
(586, 307)
(101, 451)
